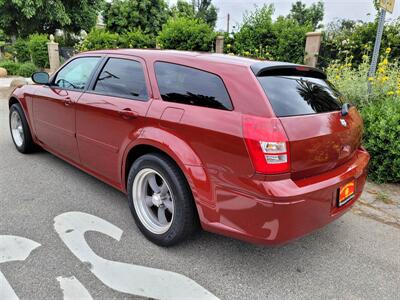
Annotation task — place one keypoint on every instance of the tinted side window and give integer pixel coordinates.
(123, 78)
(191, 86)
(294, 95)
(76, 74)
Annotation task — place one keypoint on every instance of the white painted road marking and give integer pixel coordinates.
(73, 289)
(13, 248)
(123, 277)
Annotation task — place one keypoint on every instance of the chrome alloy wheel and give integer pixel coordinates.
(17, 129)
(153, 201)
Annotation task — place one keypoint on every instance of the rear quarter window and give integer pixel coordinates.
(295, 95)
(191, 86)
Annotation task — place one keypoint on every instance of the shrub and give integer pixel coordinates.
(261, 37)
(380, 111)
(186, 34)
(10, 66)
(382, 139)
(38, 48)
(21, 50)
(345, 38)
(99, 39)
(136, 39)
(26, 69)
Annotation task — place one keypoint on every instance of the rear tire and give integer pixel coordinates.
(19, 129)
(160, 200)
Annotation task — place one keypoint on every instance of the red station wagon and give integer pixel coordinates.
(260, 151)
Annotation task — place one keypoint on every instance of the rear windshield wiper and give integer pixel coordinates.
(345, 109)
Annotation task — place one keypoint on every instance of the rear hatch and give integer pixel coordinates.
(309, 107)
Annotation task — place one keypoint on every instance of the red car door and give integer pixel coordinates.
(54, 106)
(110, 115)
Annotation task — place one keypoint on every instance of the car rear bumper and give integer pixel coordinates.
(283, 210)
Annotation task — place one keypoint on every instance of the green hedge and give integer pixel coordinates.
(21, 50)
(99, 39)
(382, 139)
(26, 69)
(186, 34)
(20, 69)
(102, 39)
(37, 45)
(11, 66)
(136, 39)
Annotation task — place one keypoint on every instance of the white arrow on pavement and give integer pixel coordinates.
(123, 277)
(13, 248)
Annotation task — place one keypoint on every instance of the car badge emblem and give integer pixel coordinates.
(343, 122)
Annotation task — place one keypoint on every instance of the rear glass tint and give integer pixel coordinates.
(294, 95)
(191, 86)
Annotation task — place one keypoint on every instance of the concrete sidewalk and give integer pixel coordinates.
(5, 82)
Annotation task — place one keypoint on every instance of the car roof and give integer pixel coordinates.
(189, 55)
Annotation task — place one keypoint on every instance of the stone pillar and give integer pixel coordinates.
(219, 44)
(54, 55)
(313, 44)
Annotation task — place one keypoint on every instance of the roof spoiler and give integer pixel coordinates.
(285, 69)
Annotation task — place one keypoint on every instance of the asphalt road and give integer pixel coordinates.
(352, 258)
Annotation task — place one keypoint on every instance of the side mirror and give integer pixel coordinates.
(40, 78)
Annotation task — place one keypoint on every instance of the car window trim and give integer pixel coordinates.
(202, 70)
(90, 89)
(54, 76)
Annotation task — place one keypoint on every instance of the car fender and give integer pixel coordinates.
(187, 160)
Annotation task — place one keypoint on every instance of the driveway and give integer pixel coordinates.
(62, 232)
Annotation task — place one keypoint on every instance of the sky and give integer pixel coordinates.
(334, 9)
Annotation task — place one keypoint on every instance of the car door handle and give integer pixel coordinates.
(68, 101)
(128, 114)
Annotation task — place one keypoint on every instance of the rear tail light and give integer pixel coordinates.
(267, 144)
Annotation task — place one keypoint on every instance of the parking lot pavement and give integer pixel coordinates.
(66, 224)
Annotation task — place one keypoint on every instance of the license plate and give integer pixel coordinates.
(346, 193)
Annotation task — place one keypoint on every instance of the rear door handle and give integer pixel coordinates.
(68, 101)
(128, 114)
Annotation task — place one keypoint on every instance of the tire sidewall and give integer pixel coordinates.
(177, 188)
(17, 108)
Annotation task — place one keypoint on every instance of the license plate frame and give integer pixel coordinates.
(346, 193)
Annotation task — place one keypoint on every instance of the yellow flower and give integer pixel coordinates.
(337, 77)
(371, 78)
(385, 62)
(384, 79)
(388, 50)
(390, 93)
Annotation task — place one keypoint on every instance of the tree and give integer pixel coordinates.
(183, 9)
(198, 9)
(260, 36)
(126, 15)
(313, 14)
(21, 18)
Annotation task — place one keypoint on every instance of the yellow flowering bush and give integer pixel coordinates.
(353, 81)
(380, 110)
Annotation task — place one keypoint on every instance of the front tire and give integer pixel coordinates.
(19, 129)
(160, 200)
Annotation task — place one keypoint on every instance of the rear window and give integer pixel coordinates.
(295, 95)
(191, 86)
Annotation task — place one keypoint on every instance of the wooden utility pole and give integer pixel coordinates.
(227, 23)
